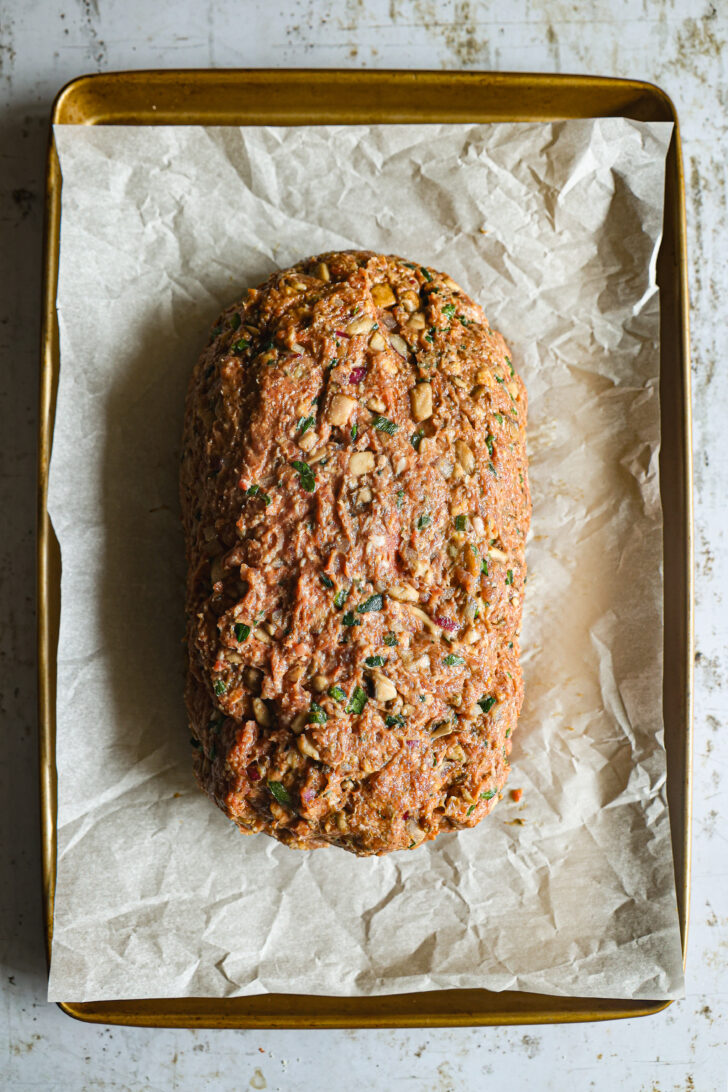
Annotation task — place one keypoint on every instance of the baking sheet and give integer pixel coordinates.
(554, 228)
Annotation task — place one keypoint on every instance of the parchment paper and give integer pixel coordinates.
(555, 229)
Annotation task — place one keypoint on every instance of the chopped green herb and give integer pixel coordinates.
(464, 321)
(350, 620)
(395, 720)
(306, 423)
(375, 661)
(461, 523)
(333, 362)
(489, 444)
(234, 321)
(220, 687)
(499, 418)
(508, 732)
(470, 810)
(509, 576)
(336, 693)
(486, 703)
(354, 431)
(449, 309)
(317, 715)
(508, 362)
(400, 499)
(254, 491)
(195, 743)
(340, 597)
(452, 659)
(306, 476)
(326, 581)
(484, 566)
(216, 331)
(357, 701)
(383, 424)
(424, 521)
(374, 602)
(493, 470)
(430, 335)
(241, 632)
(390, 639)
(425, 273)
(487, 795)
(416, 438)
(499, 379)
(279, 792)
(239, 346)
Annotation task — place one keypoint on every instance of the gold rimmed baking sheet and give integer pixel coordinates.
(328, 97)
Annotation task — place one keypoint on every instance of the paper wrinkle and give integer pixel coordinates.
(555, 229)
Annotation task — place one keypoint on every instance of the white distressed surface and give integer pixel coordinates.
(680, 44)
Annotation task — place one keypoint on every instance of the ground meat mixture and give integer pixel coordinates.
(355, 504)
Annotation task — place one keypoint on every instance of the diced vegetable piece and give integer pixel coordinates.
(357, 701)
(261, 712)
(383, 295)
(395, 720)
(384, 688)
(317, 715)
(279, 792)
(306, 476)
(383, 424)
(374, 602)
(340, 409)
(421, 401)
(361, 462)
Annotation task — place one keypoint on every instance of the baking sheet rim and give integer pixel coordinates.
(184, 1012)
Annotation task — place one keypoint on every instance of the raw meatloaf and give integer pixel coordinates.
(355, 505)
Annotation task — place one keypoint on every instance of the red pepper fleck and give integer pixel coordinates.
(405, 815)
(342, 333)
(357, 374)
(253, 772)
(516, 794)
(447, 624)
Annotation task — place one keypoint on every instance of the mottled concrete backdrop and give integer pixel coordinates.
(679, 44)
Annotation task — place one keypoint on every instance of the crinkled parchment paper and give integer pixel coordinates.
(554, 228)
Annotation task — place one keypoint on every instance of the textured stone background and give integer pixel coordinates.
(679, 44)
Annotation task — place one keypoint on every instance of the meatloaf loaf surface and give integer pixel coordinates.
(355, 505)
